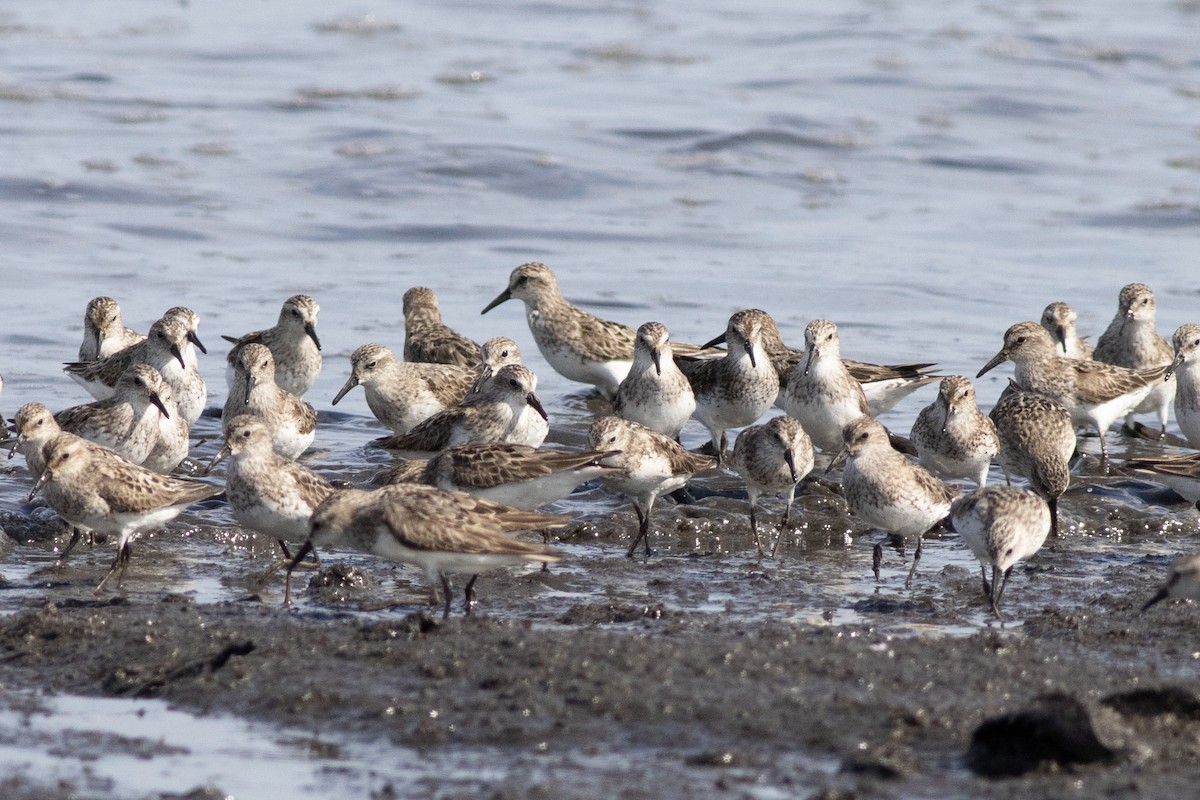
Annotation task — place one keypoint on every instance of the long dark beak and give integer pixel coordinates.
(789, 458)
(536, 404)
(98, 334)
(1161, 595)
(813, 350)
(154, 398)
(838, 460)
(656, 357)
(1060, 334)
(500, 298)
(194, 339)
(1174, 366)
(249, 386)
(37, 487)
(946, 420)
(311, 330)
(221, 455)
(997, 359)
(713, 342)
(1128, 316)
(305, 549)
(175, 351)
(750, 352)
(351, 382)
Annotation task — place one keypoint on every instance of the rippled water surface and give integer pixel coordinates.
(923, 174)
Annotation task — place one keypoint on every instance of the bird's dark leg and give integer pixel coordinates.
(877, 559)
(469, 600)
(1004, 584)
(754, 530)
(76, 535)
(913, 568)
(1053, 503)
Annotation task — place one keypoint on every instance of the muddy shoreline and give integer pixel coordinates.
(623, 693)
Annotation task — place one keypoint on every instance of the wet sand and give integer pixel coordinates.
(641, 685)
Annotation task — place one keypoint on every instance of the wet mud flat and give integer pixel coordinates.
(687, 674)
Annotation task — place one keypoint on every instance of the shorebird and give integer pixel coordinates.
(655, 393)
(291, 421)
(292, 341)
(165, 349)
(1183, 582)
(441, 532)
(489, 415)
(1132, 341)
(651, 465)
(735, 390)
(1095, 393)
(1001, 525)
(578, 345)
(884, 385)
(887, 490)
(403, 394)
(98, 490)
(820, 391)
(1186, 370)
(513, 474)
(428, 339)
(268, 492)
(1037, 440)
(772, 458)
(953, 438)
(1179, 472)
(104, 333)
(128, 421)
(1059, 321)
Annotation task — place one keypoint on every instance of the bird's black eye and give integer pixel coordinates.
(246, 434)
(612, 439)
(296, 312)
(514, 383)
(829, 337)
(1145, 300)
(372, 365)
(504, 354)
(1020, 340)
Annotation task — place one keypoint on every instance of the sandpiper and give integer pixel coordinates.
(820, 392)
(402, 394)
(887, 490)
(578, 345)
(1186, 370)
(291, 421)
(489, 415)
(268, 492)
(513, 474)
(734, 391)
(441, 532)
(427, 339)
(1131, 341)
(953, 438)
(651, 465)
(1095, 393)
(104, 333)
(1183, 582)
(172, 444)
(655, 393)
(1037, 440)
(1058, 319)
(531, 427)
(128, 421)
(772, 458)
(100, 491)
(292, 341)
(191, 323)
(884, 385)
(165, 350)
(1001, 525)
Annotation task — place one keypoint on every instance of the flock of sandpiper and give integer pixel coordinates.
(105, 467)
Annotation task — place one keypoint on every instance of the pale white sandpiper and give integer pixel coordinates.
(1037, 440)
(886, 490)
(292, 341)
(1132, 341)
(953, 438)
(655, 393)
(1001, 525)
(402, 394)
(291, 421)
(772, 458)
(104, 332)
(651, 465)
(820, 391)
(1059, 320)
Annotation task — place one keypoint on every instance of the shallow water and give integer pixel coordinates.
(922, 174)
